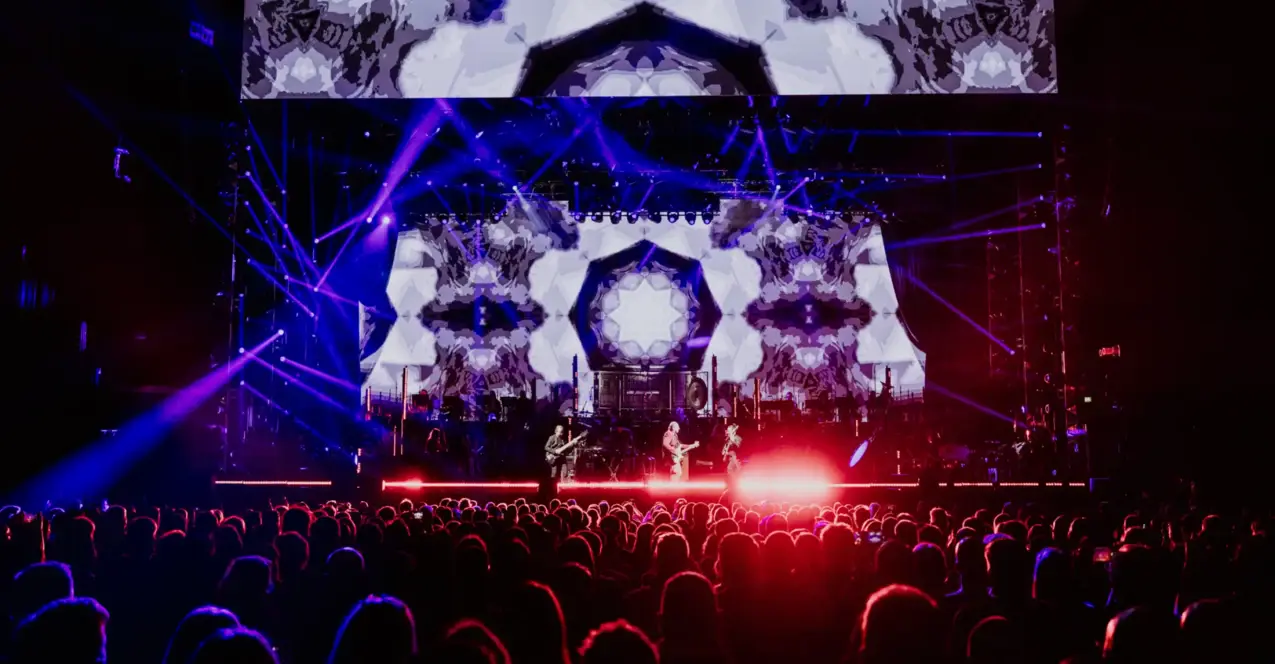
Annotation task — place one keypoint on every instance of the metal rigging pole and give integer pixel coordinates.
(232, 425)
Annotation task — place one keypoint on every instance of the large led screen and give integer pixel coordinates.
(802, 307)
(644, 48)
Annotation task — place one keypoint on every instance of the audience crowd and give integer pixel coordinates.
(679, 582)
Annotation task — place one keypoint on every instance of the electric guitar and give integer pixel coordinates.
(552, 456)
(681, 453)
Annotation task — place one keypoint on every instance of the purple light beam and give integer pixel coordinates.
(951, 307)
(320, 375)
(963, 236)
(95, 469)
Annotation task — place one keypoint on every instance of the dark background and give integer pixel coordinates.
(1176, 275)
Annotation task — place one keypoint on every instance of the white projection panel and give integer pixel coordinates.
(644, 48)
(803, 306)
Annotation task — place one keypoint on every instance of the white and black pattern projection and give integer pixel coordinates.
(804, 304)
(644, 48)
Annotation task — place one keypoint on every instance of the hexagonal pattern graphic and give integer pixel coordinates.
(643, 305)
(463, 306)
(805, 305)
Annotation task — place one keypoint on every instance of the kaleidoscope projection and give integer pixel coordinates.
(639, 48)
(463, 313)
(645, 305)
(805, 305)
(825, 313)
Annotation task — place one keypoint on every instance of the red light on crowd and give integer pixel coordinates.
(1109, 351)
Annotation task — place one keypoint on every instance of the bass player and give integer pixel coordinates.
(559, 454)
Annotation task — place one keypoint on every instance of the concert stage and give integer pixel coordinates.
(472, 326)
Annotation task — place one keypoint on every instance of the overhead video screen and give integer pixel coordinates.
(800, 307)
(644, 48)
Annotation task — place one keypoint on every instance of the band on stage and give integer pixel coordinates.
(562, 454)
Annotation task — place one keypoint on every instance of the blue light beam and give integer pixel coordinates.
(951, 307)
(94, 470)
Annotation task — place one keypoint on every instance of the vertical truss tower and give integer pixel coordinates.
(1074, 358)
(1033, 302)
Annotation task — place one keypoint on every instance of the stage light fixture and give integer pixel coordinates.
(386, 219)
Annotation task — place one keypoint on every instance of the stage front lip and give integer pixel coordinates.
(694, 486)
(292, 483)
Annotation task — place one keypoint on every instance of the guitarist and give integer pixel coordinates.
(559, 456)
(677, 453)
(730, 452)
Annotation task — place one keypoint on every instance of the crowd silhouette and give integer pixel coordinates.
(678, 582)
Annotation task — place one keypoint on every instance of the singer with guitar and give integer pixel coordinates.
(679, 464)
(559, 455)
(730, 452)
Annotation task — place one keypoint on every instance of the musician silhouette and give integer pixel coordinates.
(730, 452)
(560, 454)
(679, 462)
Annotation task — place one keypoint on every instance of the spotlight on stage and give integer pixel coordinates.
(858, 453)
(787, 474)
(786, 487)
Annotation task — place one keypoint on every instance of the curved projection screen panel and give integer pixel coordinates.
(795, 306)
(644, 48)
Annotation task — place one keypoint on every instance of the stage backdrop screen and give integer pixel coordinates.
(644, 48)
(802, 307)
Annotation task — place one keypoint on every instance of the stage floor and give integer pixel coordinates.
(795, 489)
